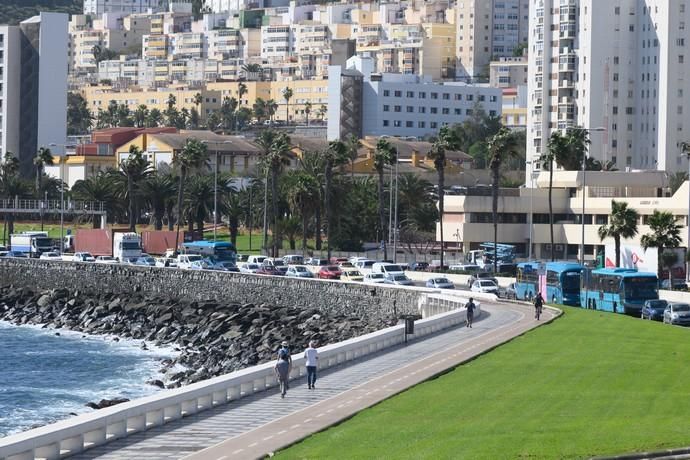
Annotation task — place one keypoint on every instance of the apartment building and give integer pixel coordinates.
(401, 105)
(486, 29)
(617, 65)
(33, 87)
(508, 72)
(98, 7)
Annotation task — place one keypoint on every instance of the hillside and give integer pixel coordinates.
(15, 11)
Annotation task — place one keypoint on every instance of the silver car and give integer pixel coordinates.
(299, 271)
(677, 313)
(399, 280)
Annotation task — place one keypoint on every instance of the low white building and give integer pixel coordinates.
(98, 7)
(468, 219)
(398, 104)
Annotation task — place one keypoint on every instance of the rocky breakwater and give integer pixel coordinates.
(213, 338)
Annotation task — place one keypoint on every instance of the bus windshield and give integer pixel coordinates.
(224, 254)
(639, 288)
(570, 281)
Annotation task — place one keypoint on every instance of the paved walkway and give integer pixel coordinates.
(261, 423)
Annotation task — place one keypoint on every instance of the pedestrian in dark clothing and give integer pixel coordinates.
(282, 370)
(311, 357)
(538, 304)
(284, 347)
(470, 312)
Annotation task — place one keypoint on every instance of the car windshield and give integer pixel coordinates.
(194, 258)
(354, 273)
(487, 283)
(681, 307)
(441, 281)
(278, 263)
(252, 266)
(571, 281)
(300, 269)
(376, 276)
(332, 269)
(400, 277)
(393, 268)
(657, 303)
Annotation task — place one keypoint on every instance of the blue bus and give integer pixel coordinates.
(618, 290)
(218, 251)
(562, 282)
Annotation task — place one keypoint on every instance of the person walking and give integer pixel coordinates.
(284, 347)
(470, 312)
(311, 357)
(282, 370)
(538, 304)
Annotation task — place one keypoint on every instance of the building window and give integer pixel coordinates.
(433, 125)
(446, 96)
(458, 97)
(422, 110)
(457, 111)
(445, 111)
(422, 95)
(397, 123)
(410, 94)
(434, 95)
(409, 124)
(433, 110)
(421, 124)
(386, 93)
(410, 109)
(385, 122)
(386, 108)
(398, 94)
(397, 108)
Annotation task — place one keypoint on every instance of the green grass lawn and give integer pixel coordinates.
(590, 383)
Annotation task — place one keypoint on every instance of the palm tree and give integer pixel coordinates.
(101, 187)
(154, 118)
(313, 164)
(384, 155)
(334, 155)
(198, 99)
(622, 224)
(307, 110)
(352, 146)
(199, 201)
(140, 115)
(278, 157)
(287, 95)
(555, 147)
(234, 208)
(260, 110)
(271, 108)
(446, 140)
(668, 259)
(323, 110)
(134, 169)
(193, 155)
(676, 180)
(227, 113)
(241, 91)
(665, 233)
(303, 194)
(252, 70)
(11, 185)
(289, 227)
(501, 146)
(43, 157)
(156, 191)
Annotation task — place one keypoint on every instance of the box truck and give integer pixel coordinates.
(31, 243)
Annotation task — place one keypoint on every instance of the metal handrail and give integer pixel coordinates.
(47, 206)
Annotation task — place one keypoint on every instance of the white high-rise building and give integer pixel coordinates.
(619, 65)
(33, 87)
(488, 29)
(98, 7)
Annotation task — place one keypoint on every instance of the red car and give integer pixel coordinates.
(329, 272)
(269, 270)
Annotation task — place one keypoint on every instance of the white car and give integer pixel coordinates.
(249, 268)
(485, 286)
(83, 257)
(52, 255)
(364, 263)
(166, 262)
(106, 260)
(374, 278)
(185, 261)
(299, 271)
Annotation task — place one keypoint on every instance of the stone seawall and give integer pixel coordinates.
(329, 297)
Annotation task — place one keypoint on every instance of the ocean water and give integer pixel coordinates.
(44, 377)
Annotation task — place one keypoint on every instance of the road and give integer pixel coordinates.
(263, 423)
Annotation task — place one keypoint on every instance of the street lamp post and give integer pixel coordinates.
(215, 187)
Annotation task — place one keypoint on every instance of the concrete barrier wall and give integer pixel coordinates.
(329, 296)
(77, 434)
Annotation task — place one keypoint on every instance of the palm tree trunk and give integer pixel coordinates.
(551, 208)
(441, 185)
(317, 232)
(10, 225)
(382, 216)
(130, 193)
(352, 171)
(305, 226)
(327, 204)
(660, 250)
(274, 209)
(158, 220)
(494, 211)
(38, 181)
(180, 196)
(233, 225)
(617, 244)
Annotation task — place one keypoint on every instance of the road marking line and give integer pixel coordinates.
(224, 457)
(308, 420)
(254, 444)
(295, 426)
(268, 437)
(282, 432)
(320, 415)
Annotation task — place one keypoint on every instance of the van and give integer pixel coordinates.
(387, 269)
(293, 259)
(256, 260)
(366, 263)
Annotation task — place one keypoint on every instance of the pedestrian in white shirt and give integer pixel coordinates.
(311, 357)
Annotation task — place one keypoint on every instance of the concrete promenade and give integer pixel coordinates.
(262, 423)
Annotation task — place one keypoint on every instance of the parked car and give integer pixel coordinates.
(269, 270)
(398, 279)
(678, 285)
(351, 274)
(387, 268)
(166, 262)
(276, 263)
(419, 266)
(106, 260)
(146, 261)
(677, 313)
(464, 268)
(184, 261)
(198, 265)
(242, 257)
(299, 271)
(256, 259)
(16, 255)
(507, 293)
(363, 263)
(51, 255)
(330, 272)
(654, 309)
(83, 257)
(293, 259)
(338, 260)
(374, 278)
(316, 262)
(223, 266)
(249, 268)
(485, 286)
(440, 283)
(481, 276)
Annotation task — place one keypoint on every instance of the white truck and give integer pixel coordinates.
(126, 246)
(31, 243)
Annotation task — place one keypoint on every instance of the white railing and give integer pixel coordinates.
(82, 432)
